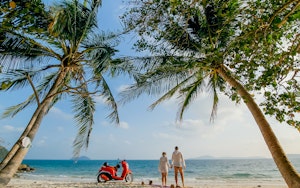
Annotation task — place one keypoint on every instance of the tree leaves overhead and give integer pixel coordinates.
(193, 36)
(24, 15)
(70, 56)
(269, 52)
(258, 41)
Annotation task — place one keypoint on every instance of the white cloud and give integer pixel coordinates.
(196, 129)
(41, 142)
(127, 142)
(60, 129)
(124, 125)
(60, 114)
(166, 136)
(105, 123)
(9, 129)
(100, 100)
(111, 138)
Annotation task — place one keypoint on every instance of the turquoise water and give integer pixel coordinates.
(197, 171)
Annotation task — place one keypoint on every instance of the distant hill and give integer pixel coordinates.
(203, 157)
(208, 157)
(81, 158)
(292, 156)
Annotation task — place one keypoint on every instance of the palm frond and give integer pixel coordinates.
(73, 21)
(84, 108)
(162, 73)
(121, 66)
(96, 40)
(215, 84)
(190, 92)
(101, 59)
(14, 110)
(110, 101)
(91, 21)
(18, 51)
(98, 52)
(18, 79)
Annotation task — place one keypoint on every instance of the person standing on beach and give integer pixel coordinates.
(178, 163)
(163, 167)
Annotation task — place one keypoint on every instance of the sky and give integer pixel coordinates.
(145, 134)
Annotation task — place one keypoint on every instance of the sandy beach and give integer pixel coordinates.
(23, 183)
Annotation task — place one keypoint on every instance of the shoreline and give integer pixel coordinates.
(31, 183)
(200, 174)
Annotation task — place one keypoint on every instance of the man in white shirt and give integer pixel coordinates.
(178, 163)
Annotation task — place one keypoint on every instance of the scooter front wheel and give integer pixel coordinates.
(129, 177)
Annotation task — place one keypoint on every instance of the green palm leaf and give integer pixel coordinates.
(110, 101)
(84, 108)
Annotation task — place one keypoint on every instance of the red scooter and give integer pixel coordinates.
(107, 173)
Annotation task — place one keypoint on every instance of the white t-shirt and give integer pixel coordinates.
(177, 159)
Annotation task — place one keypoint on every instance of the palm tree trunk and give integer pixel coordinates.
(12, 165)
(16, 146)
(16, 155)
(286, 169)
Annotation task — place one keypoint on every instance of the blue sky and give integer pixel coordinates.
(144, 134)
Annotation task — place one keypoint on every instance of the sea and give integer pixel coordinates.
(197, 172)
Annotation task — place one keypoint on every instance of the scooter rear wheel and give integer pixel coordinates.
(129, 177)
(103, 177)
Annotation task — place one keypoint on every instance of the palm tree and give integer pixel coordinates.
(221, 46)
(70, 59)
